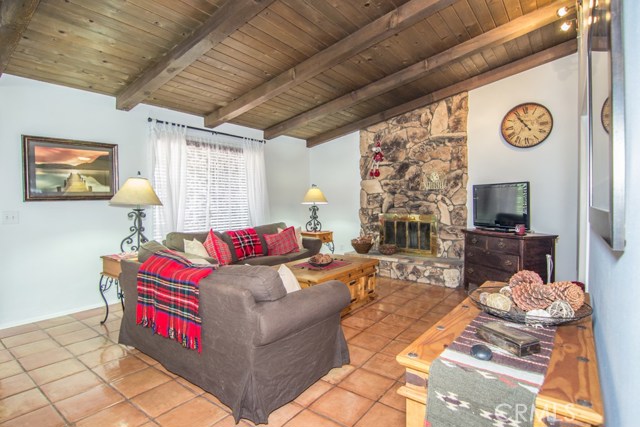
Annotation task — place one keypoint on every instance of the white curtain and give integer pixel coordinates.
(169, 154)
(256, 181)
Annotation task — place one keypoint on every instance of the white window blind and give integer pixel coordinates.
(216, 187)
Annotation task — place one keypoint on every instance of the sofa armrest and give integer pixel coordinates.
(312, 244)
(299, 310)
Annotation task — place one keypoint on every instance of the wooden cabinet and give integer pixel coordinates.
(496, 256)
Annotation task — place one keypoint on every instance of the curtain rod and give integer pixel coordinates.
(207, 130)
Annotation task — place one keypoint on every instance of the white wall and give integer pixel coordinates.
(335, 169)
(613, 279)
(50, 262)
(287, 163)
(550, 167)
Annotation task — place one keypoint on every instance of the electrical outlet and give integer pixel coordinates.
(10, 217)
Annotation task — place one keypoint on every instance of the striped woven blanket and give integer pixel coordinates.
(169, 297)
(464, 391)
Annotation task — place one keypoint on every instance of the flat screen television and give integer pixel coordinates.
(501, 206)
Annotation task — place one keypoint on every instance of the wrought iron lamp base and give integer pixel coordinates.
(314, 224)
(137, 231)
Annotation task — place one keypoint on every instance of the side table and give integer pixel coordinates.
(111, 270)
(325, 236)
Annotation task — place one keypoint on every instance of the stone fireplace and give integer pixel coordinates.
(423, 175)
(416, 234)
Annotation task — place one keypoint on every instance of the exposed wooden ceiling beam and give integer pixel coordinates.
(491, 76)
(226, 20)
(14, 18)
(509, 31)
(378, 30)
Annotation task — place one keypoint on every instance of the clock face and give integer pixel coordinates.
(605, 115)
(527, 125)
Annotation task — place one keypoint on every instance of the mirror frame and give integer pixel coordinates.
(609, 223)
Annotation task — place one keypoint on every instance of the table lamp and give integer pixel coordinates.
(137, 192)
(314, 197)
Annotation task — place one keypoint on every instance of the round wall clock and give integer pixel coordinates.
(526, 125)
(605, 115)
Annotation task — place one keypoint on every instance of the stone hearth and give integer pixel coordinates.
(445, 272)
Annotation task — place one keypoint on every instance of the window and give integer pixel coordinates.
(205, 182)
(216, 188)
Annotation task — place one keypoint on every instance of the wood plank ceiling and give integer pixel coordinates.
(312, 69)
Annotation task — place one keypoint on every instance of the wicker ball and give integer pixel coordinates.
(483, 297)
(506, 291)
(536, 317)
(561, 309)
(525, 276)
(499, 302)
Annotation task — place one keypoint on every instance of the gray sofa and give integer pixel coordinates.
(261, 347)
(175, 241)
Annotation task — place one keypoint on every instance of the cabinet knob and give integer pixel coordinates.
(501, 244)
(470, 254)
(474, 240)
(470, 270)
(508, 263)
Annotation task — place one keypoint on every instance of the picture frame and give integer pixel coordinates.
(66, 169)
(606, 145)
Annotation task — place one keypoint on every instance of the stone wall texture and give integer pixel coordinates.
(422, 147)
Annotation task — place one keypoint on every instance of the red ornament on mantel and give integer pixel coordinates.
(378, 156)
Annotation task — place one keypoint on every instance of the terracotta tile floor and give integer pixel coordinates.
(70, 371)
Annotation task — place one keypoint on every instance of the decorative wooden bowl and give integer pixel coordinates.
(361, 247)
(387, 249)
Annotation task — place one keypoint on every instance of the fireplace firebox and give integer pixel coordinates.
(412, 233)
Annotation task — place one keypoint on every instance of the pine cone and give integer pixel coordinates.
(570, 292)
(525, 276)
(531, 296)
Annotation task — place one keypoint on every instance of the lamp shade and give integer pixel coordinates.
(136, 191)
(314, 196)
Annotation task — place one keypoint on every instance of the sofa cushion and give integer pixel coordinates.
(175, 239)
(289, 280)
(298, 231)
(195, 247)
(264, 283)
(246, 243)
(217, 248)
(282, 243)
(149, 248)
(268, 229)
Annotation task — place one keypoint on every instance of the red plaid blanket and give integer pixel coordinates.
(169, 297)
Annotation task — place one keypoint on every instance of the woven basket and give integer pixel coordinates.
(387, 249)
(361, 247)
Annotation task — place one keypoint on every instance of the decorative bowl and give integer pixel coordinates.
(319, 264)
(387, 249)
(519, 316)
(361, 247)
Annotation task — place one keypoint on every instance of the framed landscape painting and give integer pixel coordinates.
(63, 169)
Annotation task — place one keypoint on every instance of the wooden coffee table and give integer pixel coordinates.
(359, 276)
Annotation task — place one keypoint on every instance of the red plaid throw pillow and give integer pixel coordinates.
(246, 243)
(282, 243)
(217, 248)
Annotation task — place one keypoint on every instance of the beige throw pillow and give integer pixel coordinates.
(195, 247)
(288, 279)
(298, 231)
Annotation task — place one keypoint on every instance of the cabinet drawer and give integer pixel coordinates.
(504, 245)
(475, 241)
(496, 260)
(479, 274)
